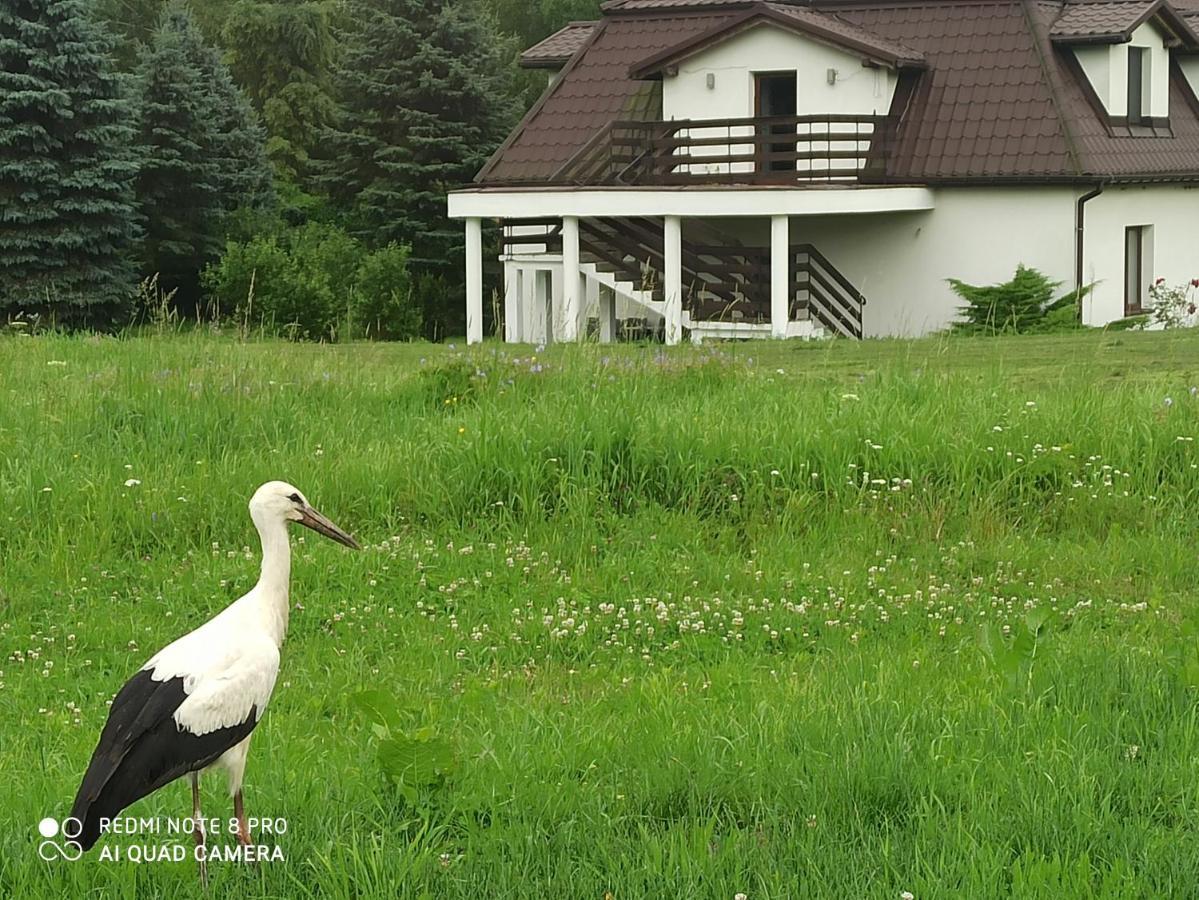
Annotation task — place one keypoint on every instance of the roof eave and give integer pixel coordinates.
(545, 62)
(751, 18)
(1073, 40)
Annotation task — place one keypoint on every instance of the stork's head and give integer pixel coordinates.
(278, 501)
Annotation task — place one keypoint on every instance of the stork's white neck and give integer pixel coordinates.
(270, 595)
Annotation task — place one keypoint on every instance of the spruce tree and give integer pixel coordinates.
(203, 154)
(424, 99)
(130, 22)
(244, 174)
(67, 225)
(177, 188)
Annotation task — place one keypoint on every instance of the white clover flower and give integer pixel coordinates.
(132, 482)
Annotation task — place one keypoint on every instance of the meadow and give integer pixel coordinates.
(798, 620)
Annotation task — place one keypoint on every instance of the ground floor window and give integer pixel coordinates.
(1138, 267)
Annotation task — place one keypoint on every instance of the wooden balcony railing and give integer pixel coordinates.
(775, 150)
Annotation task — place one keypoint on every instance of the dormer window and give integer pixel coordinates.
(1139, 86)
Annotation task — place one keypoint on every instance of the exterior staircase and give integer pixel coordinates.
(726, 285)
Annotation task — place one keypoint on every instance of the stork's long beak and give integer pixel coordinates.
(310, 518)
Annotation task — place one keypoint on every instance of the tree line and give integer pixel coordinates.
(283, 162)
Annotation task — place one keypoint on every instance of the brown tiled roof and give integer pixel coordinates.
(825, 26)
(641, 5)
(1099, 20)
(593, 89)
(997, 102)
(1112, 21)
(984, 108)
(837, 26)
(557, 49)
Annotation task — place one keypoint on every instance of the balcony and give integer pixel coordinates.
(779, 150)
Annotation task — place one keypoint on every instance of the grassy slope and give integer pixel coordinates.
(697, 623)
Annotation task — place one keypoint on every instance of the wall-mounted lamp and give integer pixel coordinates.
(711, 81)
(832, 76)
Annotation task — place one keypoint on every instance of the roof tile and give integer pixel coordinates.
(557, 49)
(1089, 20)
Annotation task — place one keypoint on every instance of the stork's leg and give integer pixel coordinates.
(243, 825)
(198, 833)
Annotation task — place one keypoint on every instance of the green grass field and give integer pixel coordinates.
(787, 621)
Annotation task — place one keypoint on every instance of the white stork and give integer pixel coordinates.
(193, 706)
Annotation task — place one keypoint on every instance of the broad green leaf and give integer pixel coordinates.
(416, 762)
(380, 708)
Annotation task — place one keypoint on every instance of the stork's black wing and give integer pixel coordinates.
(141, 749)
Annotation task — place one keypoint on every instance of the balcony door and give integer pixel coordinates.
(775, 96)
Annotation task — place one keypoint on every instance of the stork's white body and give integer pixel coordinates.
(230, 663)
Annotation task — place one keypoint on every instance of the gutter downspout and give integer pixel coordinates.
(1080, 230)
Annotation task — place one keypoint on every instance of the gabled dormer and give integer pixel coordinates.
(553, 53)
(779, 60)
(1125, 55)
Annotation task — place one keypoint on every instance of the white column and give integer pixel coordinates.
(780, 275)
(513, 295)
(474, 281)
(553, 308)
(572, 282)
(531, 326)
(607, 315)
(673, 251)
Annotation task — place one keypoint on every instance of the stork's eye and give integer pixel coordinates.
(295, 498)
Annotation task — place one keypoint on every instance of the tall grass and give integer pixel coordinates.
(695, 623)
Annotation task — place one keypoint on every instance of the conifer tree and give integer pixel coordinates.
(244, 174)
(178, 186)
(203, 153)
(67, 224)
(424, 99)
(281, 53)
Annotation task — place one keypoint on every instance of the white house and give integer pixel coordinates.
(774, 169)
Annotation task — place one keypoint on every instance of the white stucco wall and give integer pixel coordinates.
(1096, 62)
(901, 261)
(767, 48)
(1107, 69)
(1190, 68)
(1173, 213)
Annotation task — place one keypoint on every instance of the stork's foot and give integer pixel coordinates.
(243, 825)
(198, 832)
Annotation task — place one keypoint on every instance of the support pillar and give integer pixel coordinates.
(531, 324)
(474, 281)
(572, 280)
(607, 315)
(673, 252)
(780, 275)
(514, 276)
(553, 306)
